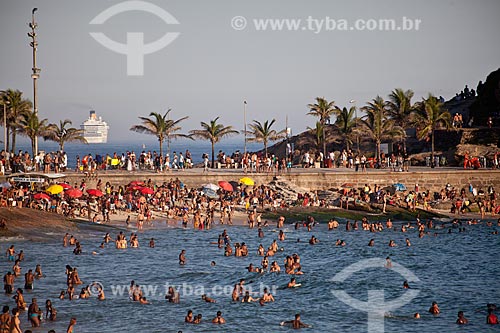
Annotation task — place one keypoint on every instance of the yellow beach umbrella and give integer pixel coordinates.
(115, 161)
(54, 189)
(247, 181)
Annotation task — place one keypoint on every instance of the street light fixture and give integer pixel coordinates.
(36, 71)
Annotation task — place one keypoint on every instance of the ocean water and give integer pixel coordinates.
(458, 270)
(197, 148)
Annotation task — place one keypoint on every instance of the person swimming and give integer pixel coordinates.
(218, 318)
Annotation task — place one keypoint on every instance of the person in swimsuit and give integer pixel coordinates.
(208, 299)
(8, 281)
(71, 325)
(5, 320)
(11, 252)
(492, 319)
(434, 309)
(182, 257)
(189, 317)
(28, 280)
(34, 313)
(296, 323)
(461, 320)
(50, 311)
(219, 319)
(15, 322)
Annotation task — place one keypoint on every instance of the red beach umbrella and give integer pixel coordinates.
(226, 186)
(95, 192)
(147, 190)
(40, 196)
(74, 193)
(134, 188)
(65, 186)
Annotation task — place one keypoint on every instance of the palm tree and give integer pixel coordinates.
(346, 123)
(262, 132)
(61, 134)
(161, 127)
(323, 110)
(318, 134)
(377, 124)
(429, 116)
(213, 132)
(31, 126)
(401, 109)
(16, 106)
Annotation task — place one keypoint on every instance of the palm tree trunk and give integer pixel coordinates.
(265, 147)
(8, 138)
(378, 150)
(324, 143)
(432, 148)
(61, 145)
(33, 148)
(13, 140)
(213, 154)
(161, 147)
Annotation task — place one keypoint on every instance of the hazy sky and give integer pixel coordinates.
(211, 68)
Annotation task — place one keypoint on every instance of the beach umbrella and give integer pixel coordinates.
(247, 181)
(95, 192)
(211, 186)
(54, 189)
(225, 186)
(399, 187)
(134, 188)
(5, 185)
(234, 184)
(65, 186)
(73, 193)
(136, 183)
(147, 190)
(210, 193)
(115, 161)
(40, 196)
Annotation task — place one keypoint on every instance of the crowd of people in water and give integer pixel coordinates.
(10, 321)
(141, 201)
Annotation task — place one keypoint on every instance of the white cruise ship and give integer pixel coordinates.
(94, 129)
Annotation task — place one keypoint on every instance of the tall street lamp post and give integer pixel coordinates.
(245, 125)
(36, 71)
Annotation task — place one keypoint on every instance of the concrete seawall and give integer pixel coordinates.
(320, 179)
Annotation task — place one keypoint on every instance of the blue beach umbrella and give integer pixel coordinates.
(399, 187)
(210, 193)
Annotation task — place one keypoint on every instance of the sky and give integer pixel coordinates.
(215, 62)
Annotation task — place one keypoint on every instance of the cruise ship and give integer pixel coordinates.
(95, 130)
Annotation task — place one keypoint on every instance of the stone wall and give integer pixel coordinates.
(322, 180)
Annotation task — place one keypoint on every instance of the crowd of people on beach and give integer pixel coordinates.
(141, 201)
